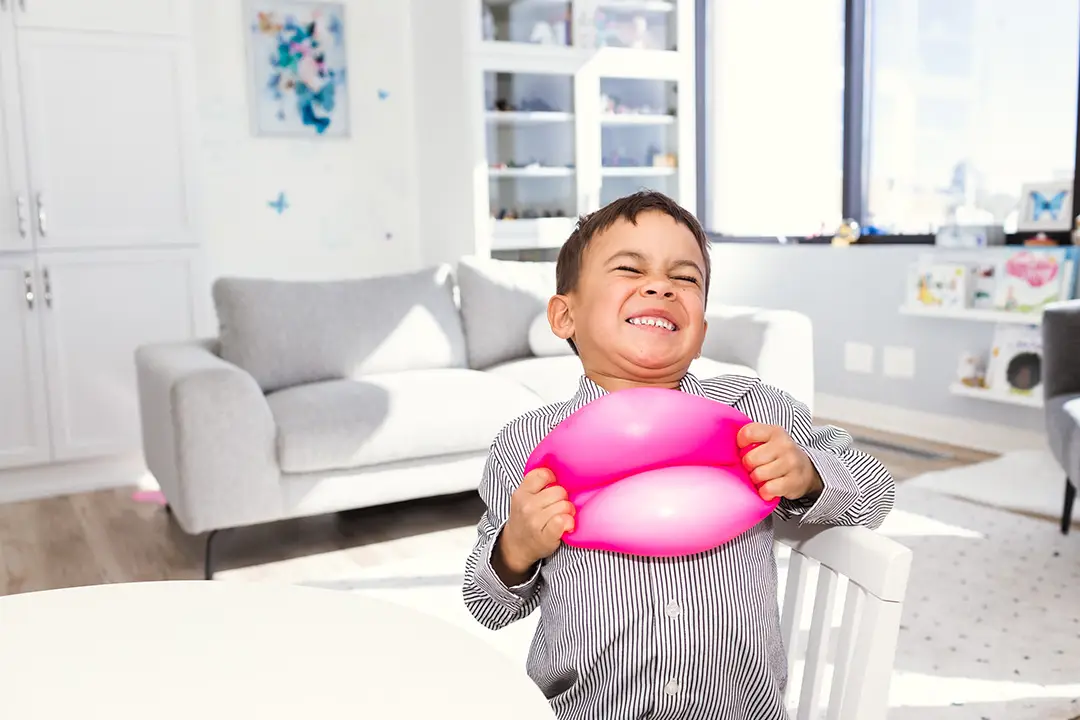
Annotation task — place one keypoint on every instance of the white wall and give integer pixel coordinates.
(353, 202)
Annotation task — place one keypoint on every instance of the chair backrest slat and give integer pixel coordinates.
(848, 678)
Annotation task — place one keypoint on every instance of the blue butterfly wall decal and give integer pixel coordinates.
(383, 94)
(1041, 204)
(280, 204)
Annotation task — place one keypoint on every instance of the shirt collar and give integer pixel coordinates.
(589, 391)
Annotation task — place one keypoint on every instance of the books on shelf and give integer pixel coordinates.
(1008, 279)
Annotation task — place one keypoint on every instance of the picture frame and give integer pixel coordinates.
(1046, 207)
(298, 68)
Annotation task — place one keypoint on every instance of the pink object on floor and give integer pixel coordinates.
(149, 496)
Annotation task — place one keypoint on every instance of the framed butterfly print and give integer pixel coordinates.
(297, 59)
(1046, 206)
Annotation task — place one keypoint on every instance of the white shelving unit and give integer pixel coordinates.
(1033, 401)
(583, 101)
(974, 315)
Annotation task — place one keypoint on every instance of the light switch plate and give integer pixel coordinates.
(858, 357)
(898, 362)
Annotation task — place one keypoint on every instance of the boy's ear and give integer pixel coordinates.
(560, 318)
(703, 336)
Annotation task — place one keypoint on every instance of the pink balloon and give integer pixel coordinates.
(653, 472)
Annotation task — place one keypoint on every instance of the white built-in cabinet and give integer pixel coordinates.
(98, 238)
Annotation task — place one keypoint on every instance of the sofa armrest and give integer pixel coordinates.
(1061, 348)
(777, 344)
(208, 437)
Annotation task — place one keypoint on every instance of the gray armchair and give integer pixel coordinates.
(1061, 390)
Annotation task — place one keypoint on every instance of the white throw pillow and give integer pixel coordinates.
(543, 342)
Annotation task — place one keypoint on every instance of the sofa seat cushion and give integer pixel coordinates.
(342, 424)
(555, 379)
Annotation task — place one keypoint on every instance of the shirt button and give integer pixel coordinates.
(672, 688)
(673, 610)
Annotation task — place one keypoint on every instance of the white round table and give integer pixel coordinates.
(206, 650)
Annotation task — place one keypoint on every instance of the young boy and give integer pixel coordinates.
(630, 637)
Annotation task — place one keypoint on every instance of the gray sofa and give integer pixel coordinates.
(1061, 393)
(325, 396)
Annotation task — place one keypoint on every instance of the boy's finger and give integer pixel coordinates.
(754, 433)
(537, 480)
(771, 490)
(770, 471)
(759, 455)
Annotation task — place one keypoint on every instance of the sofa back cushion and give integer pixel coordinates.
(289, 332)
(499, 301)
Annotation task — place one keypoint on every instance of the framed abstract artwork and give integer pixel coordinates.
(298, 68)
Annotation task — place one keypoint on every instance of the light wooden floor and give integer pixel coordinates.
(104, 537)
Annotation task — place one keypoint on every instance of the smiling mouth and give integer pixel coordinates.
(655, 322)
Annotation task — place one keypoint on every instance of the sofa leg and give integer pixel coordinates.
(1066, 513)
(209, 559)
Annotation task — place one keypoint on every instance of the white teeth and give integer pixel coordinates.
(654, 321)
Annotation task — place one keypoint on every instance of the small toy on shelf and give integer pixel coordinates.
(971, 371)
(847, 233)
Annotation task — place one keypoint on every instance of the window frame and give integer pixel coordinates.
(855, 170)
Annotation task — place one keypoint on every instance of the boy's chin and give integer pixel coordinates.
(651, 365)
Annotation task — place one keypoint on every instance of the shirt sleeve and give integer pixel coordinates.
(858, 488)
(494, 604)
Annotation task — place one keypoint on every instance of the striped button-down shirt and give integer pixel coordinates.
(693, 638)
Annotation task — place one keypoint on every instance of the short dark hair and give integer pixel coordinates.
(568, 265)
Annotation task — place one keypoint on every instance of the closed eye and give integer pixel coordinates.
(627, 268)
(687, 278)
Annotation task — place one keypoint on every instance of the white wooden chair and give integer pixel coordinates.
(875, 569)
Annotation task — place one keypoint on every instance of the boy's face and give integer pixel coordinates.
(637, 315)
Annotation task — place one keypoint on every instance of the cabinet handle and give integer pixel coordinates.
(22, 5)
(20, 208)
(41, 218)
(28, 281)
(48, 288)
(3, 5)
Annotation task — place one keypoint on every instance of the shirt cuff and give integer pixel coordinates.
(839, 493)
(511, 597)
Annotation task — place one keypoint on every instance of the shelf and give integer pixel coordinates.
(653, 6)
(531, 234)
(975, 315)
(530, 172)
(527, 117)
(636, 119)
(1032, 401)
(639, 171)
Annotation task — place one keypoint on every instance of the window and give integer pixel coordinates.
(969, 99)
(774, 131)
(954, 104)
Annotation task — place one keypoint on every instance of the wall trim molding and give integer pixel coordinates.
(946, 429)
(58, 479)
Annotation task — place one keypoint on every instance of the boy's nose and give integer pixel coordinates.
(659, 288)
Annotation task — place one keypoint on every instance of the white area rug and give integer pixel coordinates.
(991, 625)
(1028, 481)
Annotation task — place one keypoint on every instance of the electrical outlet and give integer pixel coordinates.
(898, 362)
(858, 357)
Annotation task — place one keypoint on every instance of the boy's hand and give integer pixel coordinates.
(777, 465)
(539, 515)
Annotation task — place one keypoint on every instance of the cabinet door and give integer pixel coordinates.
(14, 204)
(120, 16)
(24, 430)
(108, 136)
(99, 308)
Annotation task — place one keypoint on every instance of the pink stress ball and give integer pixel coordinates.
(653, 472)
